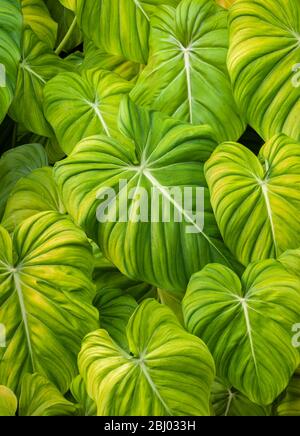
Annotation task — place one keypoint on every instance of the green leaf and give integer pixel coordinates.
(31, 195)
(107, 276)
(8, 402)
(87, 406)
(225, 3)
(38, 18)
(124, 25)
(68, 30)
(290, 405)
(76, 60)
(167, 154)
(54, 152)
(70, 4)
(187, 68)
(10, 51)
(168, 372)
(18, 163)
(227, 401)
(39, 397)
(38, 65)
(115, 308)
(256, 200)
(45, 299)
(291, 261)
(97, 58)
(78, 106)
(263, 61)
(174, 302)
(247, 325)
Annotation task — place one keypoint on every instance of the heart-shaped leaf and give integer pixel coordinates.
(168, 371)
(78, 106)
(45, 299)
(38, 65)
(257, 200)
(153, 246)
(187, 68)
(263, 61)
(247, 325)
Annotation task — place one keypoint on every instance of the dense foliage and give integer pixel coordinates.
(128, 316)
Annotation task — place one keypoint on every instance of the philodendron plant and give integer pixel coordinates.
(149, 207)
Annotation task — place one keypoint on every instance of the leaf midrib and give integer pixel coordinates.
(98, 113)
(152, 385)
(156, 184)
(265, 192)
(31, 72)
(140, 7)
(18, 288)
(139, 362)
(249, 332)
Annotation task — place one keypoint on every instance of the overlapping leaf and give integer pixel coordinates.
(10, 51)
(31, 195)
(37, 16)
(38, 65)
(45, 299)
(124, 25)
(247, 325)
(68, 33)
(165, 251)
(18, 163)
(115, 308)
(256, 200)
(187, 68)
(167, 372)
(138, 94)
(8, 402)
(291, 260)
(97, 58)
(290, 404)
(263, 60)
(107, 276)
(225, 3)
(39, 397)
(79, 106)
(86, 406)
(70, 4)
(227, 401)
